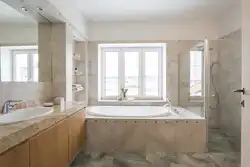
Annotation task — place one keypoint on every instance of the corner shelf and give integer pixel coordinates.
(77, 90)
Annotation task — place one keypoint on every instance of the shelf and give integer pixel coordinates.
(76, 57)
(78, 75)
(78, 90)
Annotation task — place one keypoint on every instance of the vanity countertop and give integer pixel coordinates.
(14, 134)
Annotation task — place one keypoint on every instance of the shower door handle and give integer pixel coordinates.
(242, 103)
(240, 91)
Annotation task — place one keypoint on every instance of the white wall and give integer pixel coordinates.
(72, 14)
(229, 22)
(129, 31)
(18, 34)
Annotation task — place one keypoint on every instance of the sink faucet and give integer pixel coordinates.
(7, 106)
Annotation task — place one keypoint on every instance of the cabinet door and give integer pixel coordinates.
(76, 133)
(17, 156)
(50, 148)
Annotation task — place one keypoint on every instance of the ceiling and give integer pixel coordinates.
(10, 15)
(153, 10)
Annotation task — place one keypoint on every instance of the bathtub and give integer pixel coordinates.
(129, 111)
(144, 129)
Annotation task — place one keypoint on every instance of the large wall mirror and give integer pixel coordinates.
(18, 45)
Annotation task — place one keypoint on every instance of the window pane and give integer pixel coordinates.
(111, 74)
(151, 73)
(35, 67)
(196, 73)
(21, 68)
(132, 72)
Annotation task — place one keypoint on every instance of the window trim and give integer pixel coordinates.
(141, 49)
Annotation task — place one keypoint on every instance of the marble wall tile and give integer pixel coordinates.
(45, 52)
(177, 61)
(62, 53)
(230, 79)
(177, 85)
(40, 92)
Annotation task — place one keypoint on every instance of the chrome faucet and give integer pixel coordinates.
(123, 94)
(169, 104)
(7, 106)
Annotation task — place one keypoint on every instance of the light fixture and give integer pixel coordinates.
(39, 8)
(24, 9)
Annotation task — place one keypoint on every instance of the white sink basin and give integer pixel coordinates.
(24, 114)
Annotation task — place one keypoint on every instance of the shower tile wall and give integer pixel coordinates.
(230, 79)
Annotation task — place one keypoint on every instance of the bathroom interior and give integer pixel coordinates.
(91, 86)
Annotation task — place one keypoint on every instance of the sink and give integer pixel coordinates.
(24, 114)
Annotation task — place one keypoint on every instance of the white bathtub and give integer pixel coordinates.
(139, 112)
(129, 111)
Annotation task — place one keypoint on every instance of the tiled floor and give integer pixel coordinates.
(221, 153)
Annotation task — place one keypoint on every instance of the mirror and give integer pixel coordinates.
(18, 45)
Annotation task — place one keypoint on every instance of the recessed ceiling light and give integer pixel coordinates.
(24, 9)
(39, 8)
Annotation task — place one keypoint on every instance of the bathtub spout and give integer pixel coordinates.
(169, 104)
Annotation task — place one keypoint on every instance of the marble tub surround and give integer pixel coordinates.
(145, 135)
(14, 134)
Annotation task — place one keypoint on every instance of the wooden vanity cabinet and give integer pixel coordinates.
(53, 147)
(76, 133)
(50, 147)
(16, 157)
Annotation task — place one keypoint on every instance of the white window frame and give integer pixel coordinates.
(141, 49)
(30, 53)
(198, 98)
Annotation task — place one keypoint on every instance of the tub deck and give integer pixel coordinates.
(138, 113)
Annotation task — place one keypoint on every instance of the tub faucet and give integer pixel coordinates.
(123, 94)
(7, 106)
(168, 104)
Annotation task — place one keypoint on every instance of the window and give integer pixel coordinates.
(19, 63)
(25, 65)
(137, 67)
(196, 73)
